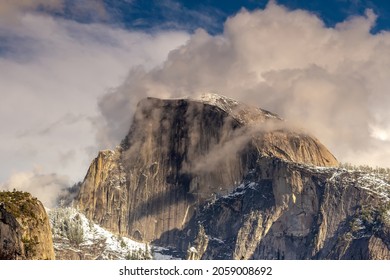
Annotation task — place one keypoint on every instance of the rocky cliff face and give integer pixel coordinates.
(291, 211)
(178, 154)
(25, 232)
(10, 236)
(230, 181)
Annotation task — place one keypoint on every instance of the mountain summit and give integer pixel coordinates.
(228, 179)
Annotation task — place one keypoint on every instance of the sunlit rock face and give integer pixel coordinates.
(25, 232)
(181, 153)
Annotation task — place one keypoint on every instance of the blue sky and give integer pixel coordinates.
(211, 14)
(72, 71)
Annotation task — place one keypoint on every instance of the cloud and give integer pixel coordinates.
(88, 9)
(333, 82)
(46, 187)
(53, 71)
(68, 119)
(232, 143)
(178, 16)
(11, 9)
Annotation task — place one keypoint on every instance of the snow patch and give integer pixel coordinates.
(112, 246)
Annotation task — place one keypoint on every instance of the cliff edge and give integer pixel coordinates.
(25, 232)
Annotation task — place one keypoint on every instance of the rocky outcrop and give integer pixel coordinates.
(298, 212)
(25, 232)
(178, 155)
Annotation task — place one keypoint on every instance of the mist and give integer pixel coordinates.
(46, 187)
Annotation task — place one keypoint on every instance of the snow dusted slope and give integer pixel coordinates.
(240, 111)
(373, 183)
(76, 237)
